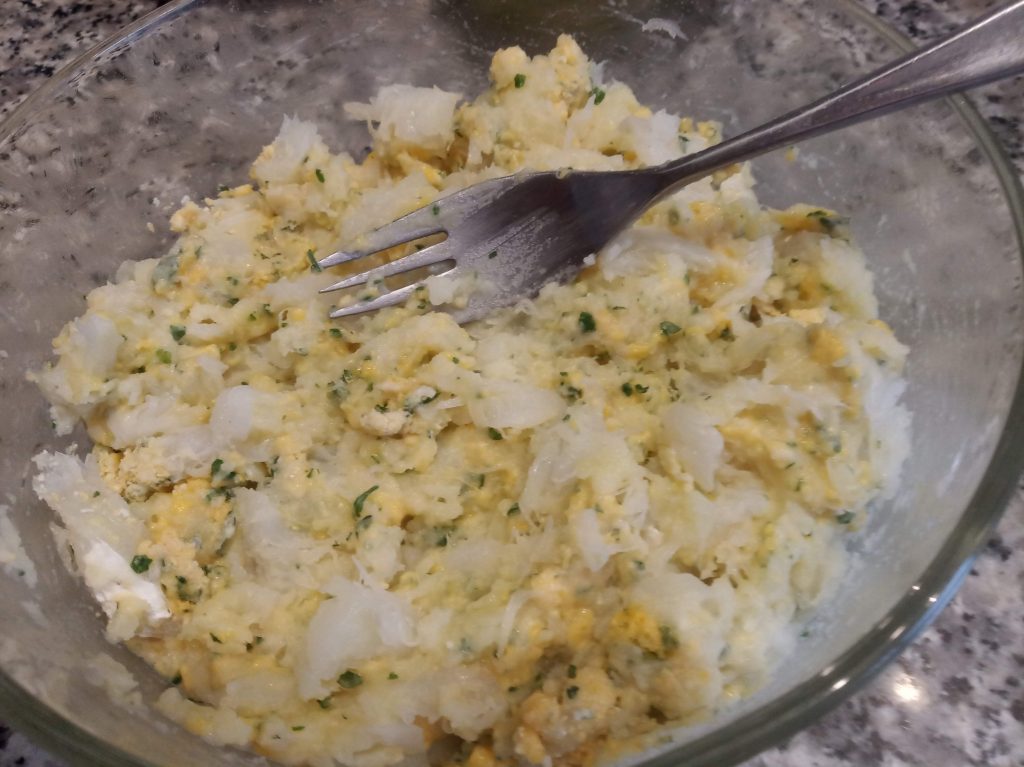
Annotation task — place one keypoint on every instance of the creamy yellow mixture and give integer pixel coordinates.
(536, 538)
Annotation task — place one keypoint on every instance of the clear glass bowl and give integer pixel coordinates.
(183, 101)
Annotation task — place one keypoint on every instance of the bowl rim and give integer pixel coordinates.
(771, 722)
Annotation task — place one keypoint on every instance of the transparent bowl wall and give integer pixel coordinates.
(186, 99)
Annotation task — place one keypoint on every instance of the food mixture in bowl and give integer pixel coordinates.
(535, 539)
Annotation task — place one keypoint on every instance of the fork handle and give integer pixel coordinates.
(989, 49)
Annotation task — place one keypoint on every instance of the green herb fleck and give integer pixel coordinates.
(572, 671)
(324, 702)
(519, 80)
(494, 433)
(435, 209)
(512, 510)
(627, 389)
(177, 332)
(350, 679)
(215, 467)
(335, 332)
(598, 94)
(357, 504)
(572, 692)
(141, 563)
(299, 727)
(572, 393)
(164, 356)
(641, 388)
(669, 328)
(587, 322)
(492, 254)
(668, 638)
(392, 675)
(845, 518)
(828, 223)
(313, 265)
(319, 175)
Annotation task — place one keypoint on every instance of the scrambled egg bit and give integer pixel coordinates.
(533, 540)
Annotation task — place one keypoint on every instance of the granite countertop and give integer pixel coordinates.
(955, 697)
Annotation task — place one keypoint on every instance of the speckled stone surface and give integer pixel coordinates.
(956, 697)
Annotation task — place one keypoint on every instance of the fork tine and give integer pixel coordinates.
(426, 257)
(422, 222)
(388, 299)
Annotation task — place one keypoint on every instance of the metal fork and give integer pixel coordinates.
(518, 232)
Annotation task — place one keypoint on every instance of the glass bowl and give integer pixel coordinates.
(92, 165)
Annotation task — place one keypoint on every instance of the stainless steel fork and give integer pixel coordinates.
(518, 232)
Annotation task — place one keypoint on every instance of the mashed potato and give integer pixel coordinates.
(529, 540)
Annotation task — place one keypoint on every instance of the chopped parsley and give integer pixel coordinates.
(512, 510)
(572, 671)
(299, 727)
(164, 356)
(177, 332)
(572, 692)
(669, 641)
(492, 254)
(845, 518)
(335, 332)
(627, 389)
(598, 94)
(669, 328)
(828, 222)
(357, 504)
(392, 675)
(350, 679)
(320, 175)
(587, 322)
(141, 563)
(216, 466)
(313, 265)
(519, 80)
(324, 702)
(494, 433)
(435, 209)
